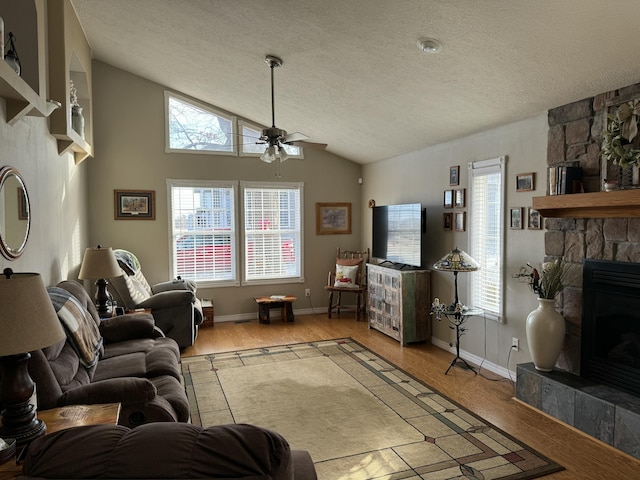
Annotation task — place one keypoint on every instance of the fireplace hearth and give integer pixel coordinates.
(610, 352)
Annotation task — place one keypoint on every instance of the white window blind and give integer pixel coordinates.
(203, 233)
(486, 234)
(272, 232)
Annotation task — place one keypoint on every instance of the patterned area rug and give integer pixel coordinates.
(358, 415)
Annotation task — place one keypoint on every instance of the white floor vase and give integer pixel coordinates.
(545, 334)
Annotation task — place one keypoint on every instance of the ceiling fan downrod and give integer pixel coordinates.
(273, 62)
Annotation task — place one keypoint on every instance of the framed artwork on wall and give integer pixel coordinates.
(460, 195)
(525, 182)
(516, 218)
(454, 175)
(447, 221)
(534, 220)
(134, 204)
(333, 218)
(460, 221)
(448, 199)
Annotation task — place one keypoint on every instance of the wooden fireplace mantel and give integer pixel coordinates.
(616, 204)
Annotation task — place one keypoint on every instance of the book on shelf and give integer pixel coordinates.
(564, 180)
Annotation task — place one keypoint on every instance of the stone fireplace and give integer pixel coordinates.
(598, 409)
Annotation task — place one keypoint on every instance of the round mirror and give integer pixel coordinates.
(15, 213)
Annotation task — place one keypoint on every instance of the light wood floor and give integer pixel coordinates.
(582, 456)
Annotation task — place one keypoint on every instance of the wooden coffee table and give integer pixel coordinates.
(284, 302)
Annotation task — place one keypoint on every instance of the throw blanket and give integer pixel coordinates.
(127, 261)
(82, 330)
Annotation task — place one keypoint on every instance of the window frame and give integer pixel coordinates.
(235, 257)
(243, 232)
(204, 106)
(477, 286)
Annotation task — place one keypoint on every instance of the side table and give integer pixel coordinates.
(283, 302)
(65, 417)
(207, 313)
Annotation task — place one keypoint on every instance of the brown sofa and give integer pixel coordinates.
(135, 365)
(167, 451)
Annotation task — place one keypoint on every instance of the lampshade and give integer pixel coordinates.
(28, 321)
(282, 153)
(99, 262)
(456, 261)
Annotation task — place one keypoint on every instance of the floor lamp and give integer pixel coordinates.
(99, 264)
(456, 261)
(28, 322)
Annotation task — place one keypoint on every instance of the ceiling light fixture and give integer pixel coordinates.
(429, 45)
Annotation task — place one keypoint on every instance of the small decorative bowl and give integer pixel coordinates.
(7, 450)
(611, 185)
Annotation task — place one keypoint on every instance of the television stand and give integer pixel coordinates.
(398, 302)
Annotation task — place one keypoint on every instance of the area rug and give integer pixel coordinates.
(358, 415)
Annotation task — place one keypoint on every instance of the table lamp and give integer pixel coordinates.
(28, 322)
(100, 263)
(456, 261)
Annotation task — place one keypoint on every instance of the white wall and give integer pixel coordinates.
(58, 196)
(422, 176)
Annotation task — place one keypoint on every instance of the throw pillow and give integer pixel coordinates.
(346, 276)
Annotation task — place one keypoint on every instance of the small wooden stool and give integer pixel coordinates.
(265, 304)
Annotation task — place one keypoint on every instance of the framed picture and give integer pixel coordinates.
(134, 204)
(534, 220)
(333, 218)
(460, 195)
(525, 182)
(447, 221)
(516, 218)
(23, 213)
(448, 199)
(460, 221)
(454, 175)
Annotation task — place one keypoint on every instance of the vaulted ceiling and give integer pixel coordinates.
(353, 76)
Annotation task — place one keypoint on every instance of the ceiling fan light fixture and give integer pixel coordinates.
(429, 45)
(269, 155)
(282, 153)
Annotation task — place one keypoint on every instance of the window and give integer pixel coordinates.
(272, 232)
(203, 232)
(249, 146)
(486, 234)
(195, 127)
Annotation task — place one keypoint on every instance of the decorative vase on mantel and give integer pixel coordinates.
(545, 334)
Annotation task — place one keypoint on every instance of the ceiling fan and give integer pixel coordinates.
(275, 138)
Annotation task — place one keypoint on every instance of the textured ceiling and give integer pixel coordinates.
(353, 76)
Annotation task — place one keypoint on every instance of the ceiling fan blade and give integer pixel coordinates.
(294, 137)
(303, 144)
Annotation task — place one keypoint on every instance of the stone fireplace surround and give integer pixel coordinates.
(603, 412)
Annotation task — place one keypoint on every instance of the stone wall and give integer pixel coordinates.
(575, 132)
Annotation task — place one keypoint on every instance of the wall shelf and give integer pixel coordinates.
(615, 204)
(69, 60)
(25, 95)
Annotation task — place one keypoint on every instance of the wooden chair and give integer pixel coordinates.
(350, 276)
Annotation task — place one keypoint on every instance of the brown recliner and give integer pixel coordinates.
(167, 451)
(174, 305)
(138, 368)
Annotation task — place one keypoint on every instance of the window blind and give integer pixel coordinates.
(486, 234)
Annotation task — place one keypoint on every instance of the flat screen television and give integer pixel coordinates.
(397, 233)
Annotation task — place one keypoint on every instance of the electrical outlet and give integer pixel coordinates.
(307, 292)
(515, 344)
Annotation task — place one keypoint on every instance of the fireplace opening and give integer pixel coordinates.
(611, 324)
